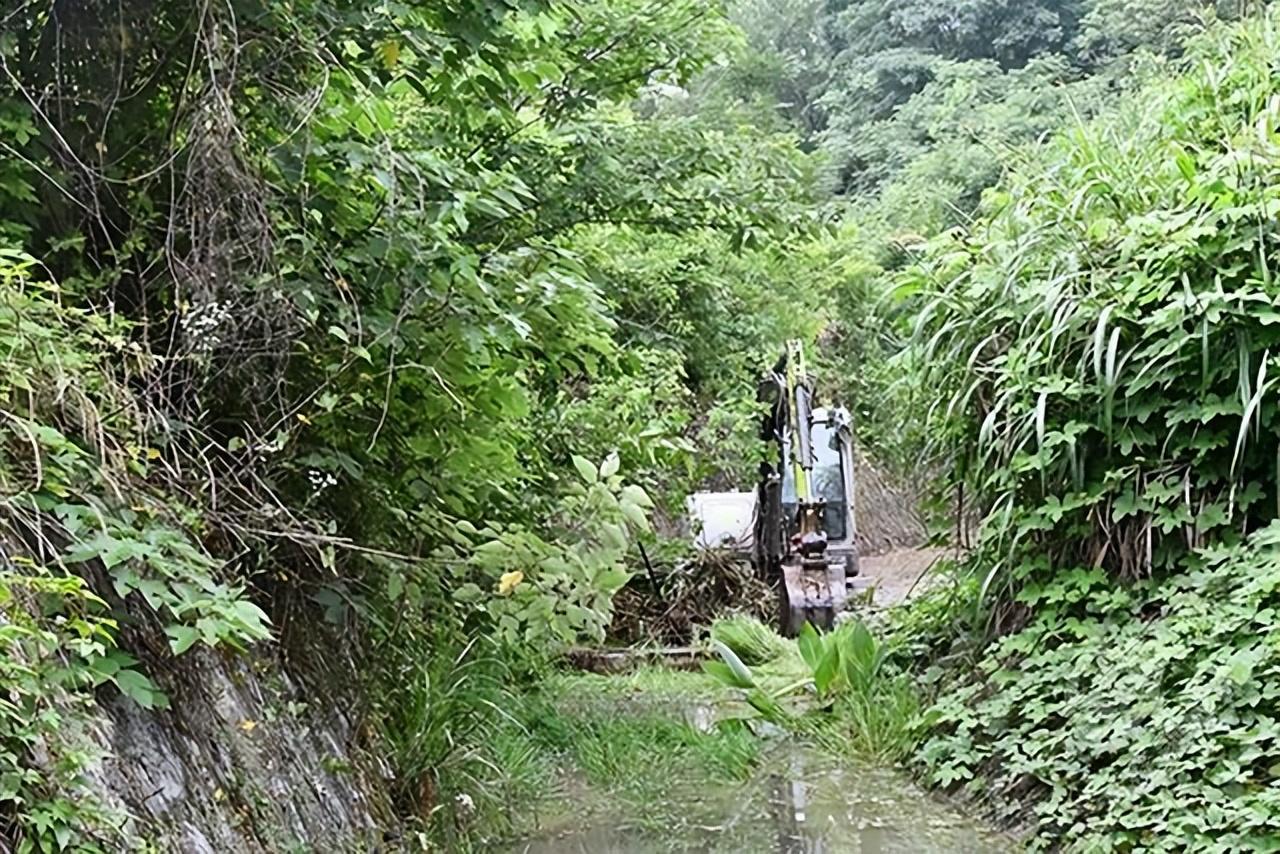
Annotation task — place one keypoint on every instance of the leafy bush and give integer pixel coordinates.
(1105, 339)
(76, 460)
(640, 411)
(551, 594)
(938, 621)
(55, 647)
(1130, 718)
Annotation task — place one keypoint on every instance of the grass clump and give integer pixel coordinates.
(453, 727)
(837, 688)
(751, 640)
(638, 744)
(878, 724)
(643, 755)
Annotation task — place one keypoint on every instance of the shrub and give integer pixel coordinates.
(1107, 337)
(1107, 340)
(1130, 718)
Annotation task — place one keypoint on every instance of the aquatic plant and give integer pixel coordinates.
(842, 692)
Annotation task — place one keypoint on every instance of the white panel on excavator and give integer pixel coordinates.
(722, 519)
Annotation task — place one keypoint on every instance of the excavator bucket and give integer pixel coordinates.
(811, 594)
(813, 585)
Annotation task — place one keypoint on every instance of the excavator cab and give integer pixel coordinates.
(832, 441)
(804, 532)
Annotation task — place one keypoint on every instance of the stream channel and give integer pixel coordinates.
(799, 801)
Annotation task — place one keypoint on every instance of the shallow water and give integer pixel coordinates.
(801, 803)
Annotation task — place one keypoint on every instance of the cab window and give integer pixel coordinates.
(828, 481)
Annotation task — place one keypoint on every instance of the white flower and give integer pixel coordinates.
(321, 480)
(202, 325)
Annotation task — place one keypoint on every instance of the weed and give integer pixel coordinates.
(1104, 338)
(336, 765)
(1150, 710)
(752, 641)
(439, 717)
(637, 756)
(862, 707)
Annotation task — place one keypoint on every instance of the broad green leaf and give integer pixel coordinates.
(810, 644)
(742, 677)
(635, 515)
(395, 585)
(181, 638)
(633, 494)
(609, 467)
(826, 670)
(140, 689)
(586, 470)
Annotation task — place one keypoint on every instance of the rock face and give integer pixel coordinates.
(245, 760)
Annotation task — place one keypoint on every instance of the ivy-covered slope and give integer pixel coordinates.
(1107, 344)
(105, 733)
(1132, 718)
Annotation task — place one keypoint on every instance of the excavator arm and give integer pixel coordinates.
(791, 541)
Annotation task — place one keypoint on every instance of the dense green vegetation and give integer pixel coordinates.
(406, 323)
(1105, 333)
(400, 317)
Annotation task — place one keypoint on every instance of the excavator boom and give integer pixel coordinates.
(806, 493)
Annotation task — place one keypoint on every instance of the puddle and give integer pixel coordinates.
(800, 803)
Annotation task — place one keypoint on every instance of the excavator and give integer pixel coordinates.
(802, 531)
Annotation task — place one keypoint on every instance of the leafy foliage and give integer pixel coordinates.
(1102, 338)
(318, 280)
(549, 594)
(1105, 343)
(1130, 717)
(867, 709)
(426, 313)
(48, 666)
(1029, 67)
(72, 498)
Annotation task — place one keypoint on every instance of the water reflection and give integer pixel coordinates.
(807, 804)
(787, 806)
